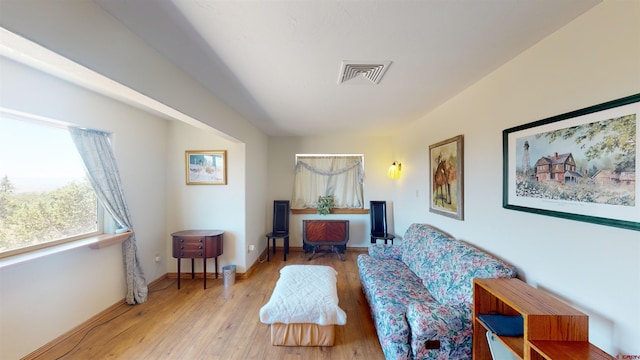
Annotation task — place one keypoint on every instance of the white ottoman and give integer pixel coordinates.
(303, 308)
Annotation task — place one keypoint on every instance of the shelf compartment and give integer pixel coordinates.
(569, 350)
(552, 329)
(514, 343)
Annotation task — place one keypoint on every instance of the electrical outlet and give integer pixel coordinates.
(157, 258)
(251, 248)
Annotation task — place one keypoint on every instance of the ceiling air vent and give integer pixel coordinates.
(370, 70)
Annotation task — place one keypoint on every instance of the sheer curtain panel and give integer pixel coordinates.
(340, 176)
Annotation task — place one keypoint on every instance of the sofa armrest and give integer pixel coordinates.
(437, 321)
(382, 252)
(440, 330)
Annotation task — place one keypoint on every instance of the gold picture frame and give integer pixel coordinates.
(446, 160)
(206, 167)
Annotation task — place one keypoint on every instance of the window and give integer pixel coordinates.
(340, 176)
(45, 196)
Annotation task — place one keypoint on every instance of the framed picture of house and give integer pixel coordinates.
(446, 174)
(581, 165)
(206, 167)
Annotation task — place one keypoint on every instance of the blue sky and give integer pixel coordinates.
(39, 156)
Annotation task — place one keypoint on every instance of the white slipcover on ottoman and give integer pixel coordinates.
(303, 308)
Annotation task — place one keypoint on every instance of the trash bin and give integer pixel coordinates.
(229, 275)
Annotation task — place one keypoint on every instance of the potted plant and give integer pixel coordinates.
(325, 204)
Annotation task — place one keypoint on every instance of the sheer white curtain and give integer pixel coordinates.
(340, 176)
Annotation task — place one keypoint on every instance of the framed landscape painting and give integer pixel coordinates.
(206, 167)
(446, 173)
(580, 165)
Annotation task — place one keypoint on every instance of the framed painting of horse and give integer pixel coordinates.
(446, 160)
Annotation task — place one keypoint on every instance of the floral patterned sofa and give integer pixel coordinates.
(420, 293)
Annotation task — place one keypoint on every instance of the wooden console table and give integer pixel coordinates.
(552, 329)
(334, 233)
(200, 244)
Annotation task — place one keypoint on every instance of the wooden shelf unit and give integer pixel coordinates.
(552, 329)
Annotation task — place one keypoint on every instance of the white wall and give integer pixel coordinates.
(256, 193)
(218, 207)
(43, 298)
(595, 268)
(85, 33)
(378, 157)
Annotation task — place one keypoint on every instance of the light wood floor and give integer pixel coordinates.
(219, 322)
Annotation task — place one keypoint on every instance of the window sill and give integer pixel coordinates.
(105, 240)
(333, 211)
(95, 242)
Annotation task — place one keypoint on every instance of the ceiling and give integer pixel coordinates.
(278, 63)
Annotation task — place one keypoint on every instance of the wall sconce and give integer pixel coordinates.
(394, 170)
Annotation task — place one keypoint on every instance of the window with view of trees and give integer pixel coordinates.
(45, 196)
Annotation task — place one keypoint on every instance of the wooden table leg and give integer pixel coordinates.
(178, 273)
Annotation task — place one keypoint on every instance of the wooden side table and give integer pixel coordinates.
(200, 244)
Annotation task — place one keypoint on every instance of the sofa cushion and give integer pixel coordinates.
(450, 278)
(422, 245)
(384, 251)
